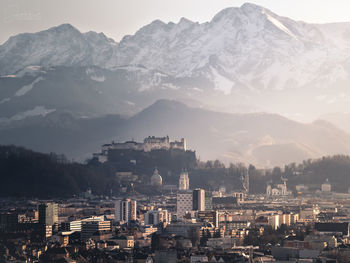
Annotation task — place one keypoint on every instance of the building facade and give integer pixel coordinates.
(125, 210)
(48, 213)
(74, 225)
(149, 144)
(278, 189)
(91, 227)
(208, 200)
(184, 181)
(156, 216)
(326, 187)
(209, 216)
(198, 200)
(156, 179)
(184, 203)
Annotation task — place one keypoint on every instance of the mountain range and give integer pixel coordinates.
(259, 138)
(245, 60)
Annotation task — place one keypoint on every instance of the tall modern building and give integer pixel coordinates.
(208, 201)
(125, 210)
(198, 199)
(184, 203)
(74, 225)
(246, 182)
(156, 216)
(48, 214)
(184, 181)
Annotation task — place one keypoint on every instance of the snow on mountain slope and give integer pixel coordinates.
(61, 45)
(337, 33)
(243, 41)
(22, 91)
(245, 55)
(84, 91)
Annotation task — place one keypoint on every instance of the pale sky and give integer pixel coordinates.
(117, 18)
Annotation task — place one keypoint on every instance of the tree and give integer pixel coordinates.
(155, 242)
(204, 239)
(209, 164)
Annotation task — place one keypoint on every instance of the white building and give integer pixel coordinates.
(156, 179)
(184, 203)
(184, 181)
(74, 225)
(91, 226)
(278, 190)
(149, 144)
(125, 210)
(276, 220)
(326, 186)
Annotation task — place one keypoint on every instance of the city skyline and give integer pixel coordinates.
(218, 132)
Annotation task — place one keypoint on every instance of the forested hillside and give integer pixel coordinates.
(310, 172)
(27, 173)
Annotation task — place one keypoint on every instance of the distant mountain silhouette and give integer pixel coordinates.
(259, 138)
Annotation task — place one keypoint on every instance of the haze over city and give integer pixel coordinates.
(175, 131)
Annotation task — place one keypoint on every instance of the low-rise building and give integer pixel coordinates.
(93, 226)
(332, 228)
(123, 241)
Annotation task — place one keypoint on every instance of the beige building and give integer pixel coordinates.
(277, 220)
(184, 181)
(154, 217)
(124, 241)
(125, 210)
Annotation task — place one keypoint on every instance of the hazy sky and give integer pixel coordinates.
(117, 18)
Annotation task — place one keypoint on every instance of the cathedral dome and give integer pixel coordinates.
(156, 179)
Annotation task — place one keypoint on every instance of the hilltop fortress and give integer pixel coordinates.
(150, 143)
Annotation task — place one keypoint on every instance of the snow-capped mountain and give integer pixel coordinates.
(240, 41)
(61, 45)
(246, 59)
(246, 53)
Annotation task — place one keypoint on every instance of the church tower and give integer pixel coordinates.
(184, 181)
(156, 179)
